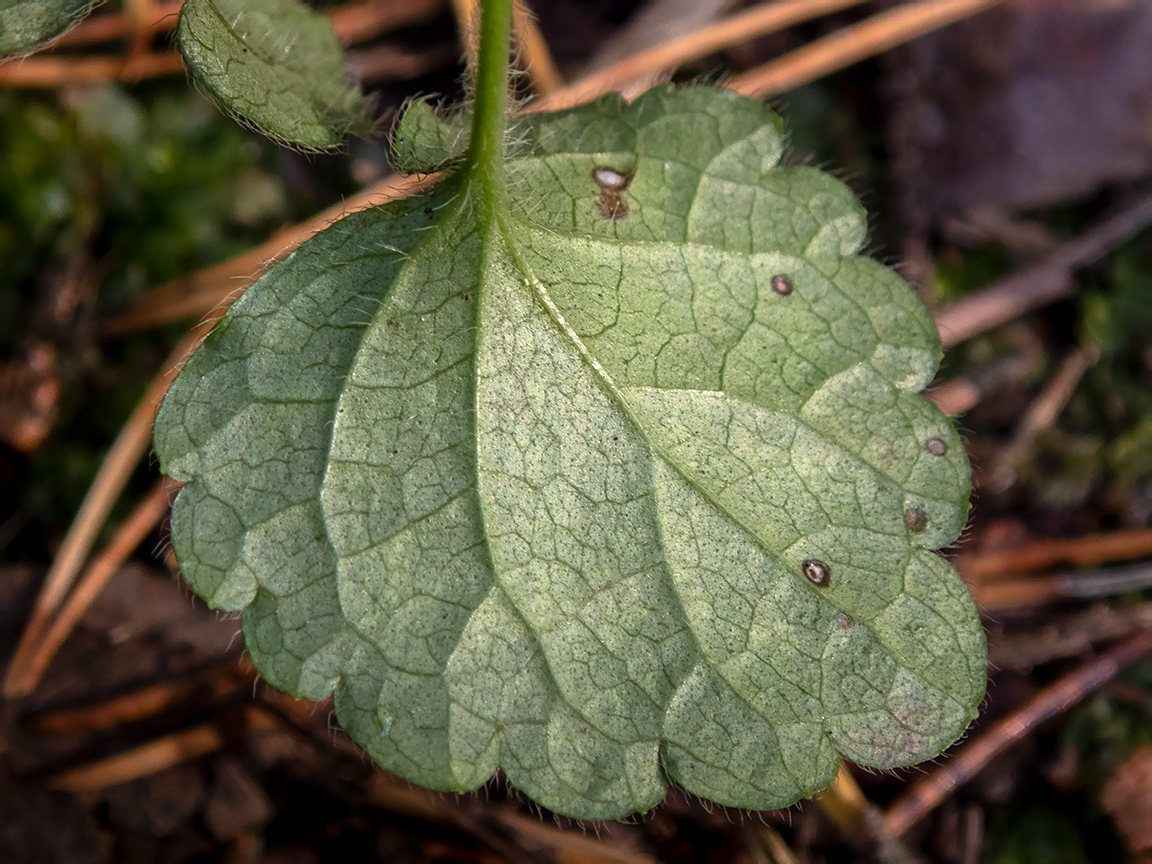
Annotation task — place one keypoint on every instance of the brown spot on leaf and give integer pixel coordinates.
(782, 284)
(817, 572)
(611, 202)
(916, 519)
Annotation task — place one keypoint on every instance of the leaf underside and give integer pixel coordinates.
(275, 65)
(26, 25)
(540, 492)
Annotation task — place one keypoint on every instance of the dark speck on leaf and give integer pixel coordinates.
(935, 446)
(817, 571)
(782, 284)
(916, 519)
(844, 620)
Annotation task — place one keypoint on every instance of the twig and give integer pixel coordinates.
(127, 450)
(389, 63)
(1067, 636)
(465, 12)
(219, 680)
(963, 393)
(536, 57)
(359, 22)
(1024, 593)
(1090, 549)
(653, 22)
(857, 818)
(1041, 414)
(758, 21)
(135, 437)
(139, 14)
(852, 44)
(52, 70)
(107, 26)
(1044, 283)
(141, 761)
(767, 846)
(396, 796)
(973, 836)
(32, 657)
(353, 22)
(567, 845)
(845, 805)
(929, 793)
(142, 21)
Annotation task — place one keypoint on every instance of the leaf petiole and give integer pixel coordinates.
(486, 154)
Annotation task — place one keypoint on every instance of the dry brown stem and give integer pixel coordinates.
(1067, 636)
(359, 22)
(846, 806)
(760, 20)
(32, 657)
(567, 846)
(141, 761)
(1041, 414)
(850, 45)
(142, 20)
(127, 450)
(228, 677)
(536, 57)
(106, 26)
(999, 596)
(1049, 552)
(49, 71)
(1042, 284)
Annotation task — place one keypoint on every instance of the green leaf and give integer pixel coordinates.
(622, 481)
(26, 25)
(275, 64)
(424, 142)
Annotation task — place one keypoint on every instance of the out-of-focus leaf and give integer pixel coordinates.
(25, 25)
(275, 64)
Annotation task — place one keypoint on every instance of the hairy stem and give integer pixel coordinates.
(486, 153)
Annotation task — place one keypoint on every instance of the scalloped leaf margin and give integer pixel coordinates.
(630, 485)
